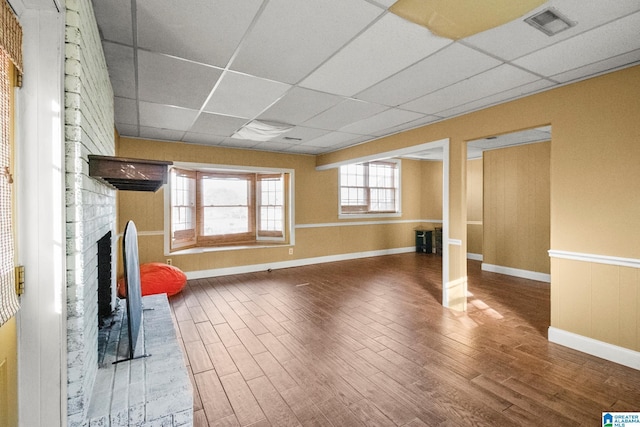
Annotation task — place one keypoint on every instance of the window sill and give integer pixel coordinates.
(371, 215)
(206, 249)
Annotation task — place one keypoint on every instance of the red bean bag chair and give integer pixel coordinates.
(157, 278)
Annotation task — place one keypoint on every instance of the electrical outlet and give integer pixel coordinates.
(169, 261)
(290, 251)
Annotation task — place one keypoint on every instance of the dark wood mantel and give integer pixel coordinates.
(129, 174)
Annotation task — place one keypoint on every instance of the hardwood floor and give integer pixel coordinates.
(367, 342)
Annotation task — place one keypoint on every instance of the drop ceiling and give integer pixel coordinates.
(341, 72)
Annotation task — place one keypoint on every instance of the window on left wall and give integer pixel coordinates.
(212, 207)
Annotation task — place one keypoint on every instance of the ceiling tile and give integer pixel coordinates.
(498, 79)
(299, 105)
(331, 139)
(427, 154)
(608, 64)
(125, 111)
(202, 138)
(405, 126)
(206, 31)
(350, 143)
(616, 38)
(506, 95)
(166, 117)
(348, 111)
(216, 124)
(238, 143)
(289, 49)
(448, 66)
(160, 134)
(307, 149)
(510, 139)
(167, 80)
(518, 38)
(121, 69)
(114, 20)
(383, 120)
(127, 130)
(302, 133)
(273, 146)
(244, 96)
(385, 3)
(388, 46)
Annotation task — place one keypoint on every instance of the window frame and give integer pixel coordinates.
(359, 213)
(262, 239)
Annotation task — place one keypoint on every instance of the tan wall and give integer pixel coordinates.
(516, 207)
(594, 170)
(474, 206)
(431, 190)
(608, 293)
(316, 205)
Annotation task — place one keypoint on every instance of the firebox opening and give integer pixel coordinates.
(105, 291)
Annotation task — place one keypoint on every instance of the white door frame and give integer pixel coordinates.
(40, 215)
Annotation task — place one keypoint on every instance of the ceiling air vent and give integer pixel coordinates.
(550, 22)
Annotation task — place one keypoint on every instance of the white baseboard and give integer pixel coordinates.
(525, 274)
(475, 257)
(201, 274)
(600, 349)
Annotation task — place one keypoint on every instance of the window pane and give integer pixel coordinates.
(368, 187)
(271, 218)
(224, 191)
(271, 208)
(183, 206)
(225, 220)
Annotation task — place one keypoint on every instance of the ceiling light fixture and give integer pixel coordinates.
(550, 22)
(261, 131)
(457, 19)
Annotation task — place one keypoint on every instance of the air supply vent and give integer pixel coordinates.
(550, 22)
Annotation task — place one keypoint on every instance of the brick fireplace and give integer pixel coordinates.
(95, 390)
(90, 204)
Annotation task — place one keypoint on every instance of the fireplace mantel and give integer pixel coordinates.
(129, 174)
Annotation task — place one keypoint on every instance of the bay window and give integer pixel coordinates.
(211, 207)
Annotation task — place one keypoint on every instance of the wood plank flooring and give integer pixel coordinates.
(367, 343)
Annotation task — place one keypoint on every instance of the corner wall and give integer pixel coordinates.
(594, 192)
(90, 205)
(475, 197)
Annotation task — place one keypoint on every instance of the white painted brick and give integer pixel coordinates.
(73, 4)
(183, 418)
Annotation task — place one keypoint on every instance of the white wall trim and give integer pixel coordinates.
(201, 274)
(525, 274)
(599, 259)
(475, 257)
(356, 223)
(324, 224)
(606, 351)
(387, 154)
(41, 230)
